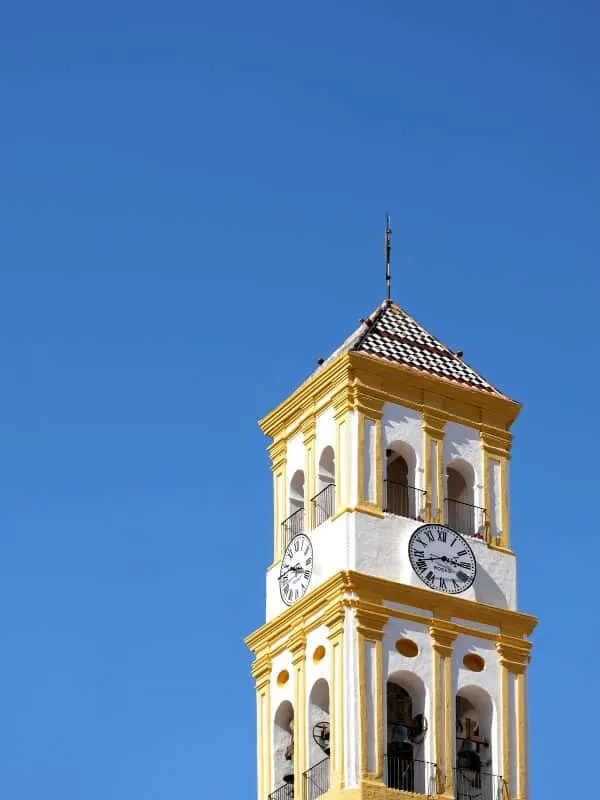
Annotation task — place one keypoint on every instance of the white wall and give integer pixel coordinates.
(400, 424)
(464, 443)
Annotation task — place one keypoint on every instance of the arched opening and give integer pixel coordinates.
(294, 524)
(283, 745)
(324, 500)
(401, 496)
(316, 781)
(461, 513)
(406, 730)
(473, 778)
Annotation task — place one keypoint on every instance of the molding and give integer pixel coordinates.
(274, 635)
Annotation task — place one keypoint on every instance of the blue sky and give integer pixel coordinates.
(191, 213)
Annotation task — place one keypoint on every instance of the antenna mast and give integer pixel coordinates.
(388, 256)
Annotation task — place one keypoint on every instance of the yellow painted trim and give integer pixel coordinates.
(383, 381)
(442, 639)
(513, 625)
(505, 723)
(521, 732)
(505, 542)
(309, 480)
(298, 648)
(438, 710)
(379, 695)
(363, 500)
(362, 705)
(335, 624)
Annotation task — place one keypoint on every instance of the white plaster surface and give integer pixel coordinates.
(405, 425)
(464, 444)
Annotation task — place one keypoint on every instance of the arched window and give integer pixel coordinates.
(405, 768)
(317, 777)
(401, 496)
(294, 524)
(461, 513)
(474, 776)
(283, 745)
(324, 500)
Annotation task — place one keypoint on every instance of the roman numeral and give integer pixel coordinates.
(454, 541)
(430, 536)
(296, 593)
(442, 583)
(442, 536)
(419, 553)
(422, 564)
(306, 574)
(306, 551)
(455, 585)
(430, 576)
(461, 553)
(462, 577)
(464, 564)
(296, 546)
(421, 542)
(309, 561)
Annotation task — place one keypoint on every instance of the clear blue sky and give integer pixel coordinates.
(191, 212)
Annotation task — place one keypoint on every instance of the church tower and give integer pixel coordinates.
(393, 660)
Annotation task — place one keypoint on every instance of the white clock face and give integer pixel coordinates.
(442, 559)
(296, 569)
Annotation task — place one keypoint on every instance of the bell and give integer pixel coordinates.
(289, 776)
(468, 757)
(400, 735)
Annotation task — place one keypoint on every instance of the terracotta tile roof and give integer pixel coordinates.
(391, 334)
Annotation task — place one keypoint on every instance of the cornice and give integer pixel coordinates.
(326, 605)
(514, 655)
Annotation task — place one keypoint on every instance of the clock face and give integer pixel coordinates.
(442, 559)
(296, 569)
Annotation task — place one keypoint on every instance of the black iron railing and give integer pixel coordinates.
(410, 774)
(404, 500)
(465, 518)
(475, 785)
(284, 792)
(323, 504)
(292, 526)
(316, 780)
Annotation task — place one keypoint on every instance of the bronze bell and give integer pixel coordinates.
(468, 756)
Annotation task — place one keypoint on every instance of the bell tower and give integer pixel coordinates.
(393, 660)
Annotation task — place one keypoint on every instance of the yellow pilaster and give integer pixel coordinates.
(370, 627)
(342, 405)
(433, 442)
(277, 452)
(442, 638)
(514, 658)
(496, 448)
(297, 646)
(369, 410)
(261, 672)
(309, 433)
(334, 620)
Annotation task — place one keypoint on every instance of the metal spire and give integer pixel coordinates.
(388, 256)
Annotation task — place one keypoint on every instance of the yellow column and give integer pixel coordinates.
(514, 658)
(261, 672)
(369, 409)
(433, 438)
(334, 620)
(442, 636)
(297, 647)
(277, 452)
(370, 626)
(342, 406)
(496, 455)
(309, 432)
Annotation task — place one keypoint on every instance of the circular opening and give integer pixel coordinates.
(407, 647)
(474, 662)
(283, 677)
(319, 654)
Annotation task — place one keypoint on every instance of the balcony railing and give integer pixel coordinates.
(284, 792)
(404, 500)
(472, 785)
(316, 780)
(465, 518)
(292, 526)
(323, 504)
(410, 775)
